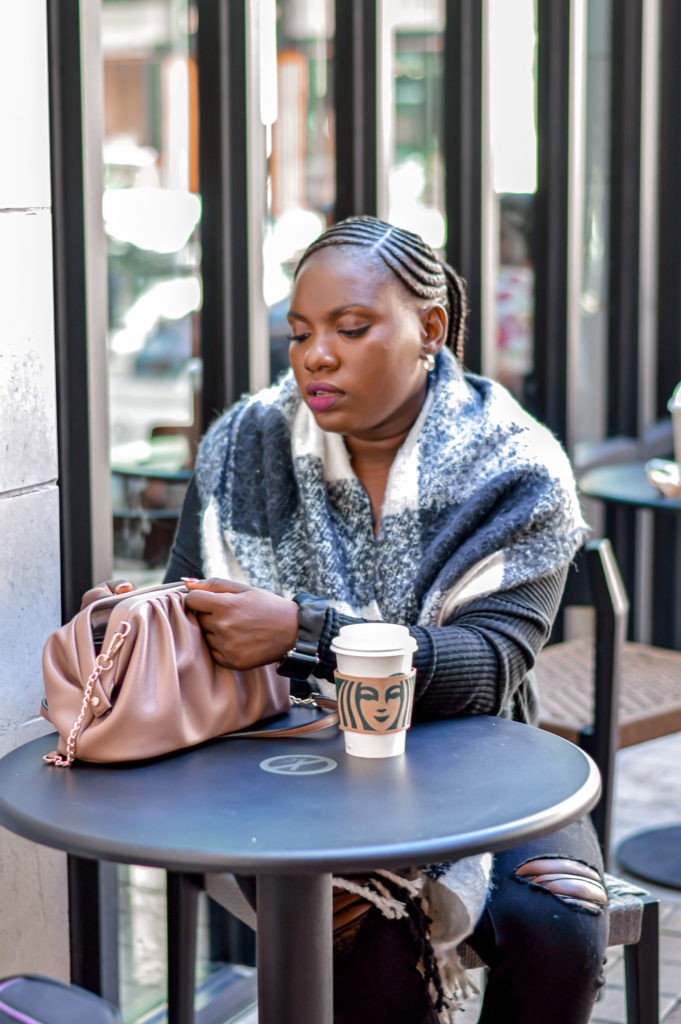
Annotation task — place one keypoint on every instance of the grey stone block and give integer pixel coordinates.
(29, 599)
(28, 427)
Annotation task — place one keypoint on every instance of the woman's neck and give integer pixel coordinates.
(371, 461)
(374, 453)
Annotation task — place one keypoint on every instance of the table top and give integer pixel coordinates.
(304, 805)
(160, 458)
(626, 484)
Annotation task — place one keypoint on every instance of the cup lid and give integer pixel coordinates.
(373, 639)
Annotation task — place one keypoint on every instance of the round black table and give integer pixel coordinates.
(626, 484)
(653, 854)
(294, 811)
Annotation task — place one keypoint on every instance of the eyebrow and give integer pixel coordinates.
(332, 313)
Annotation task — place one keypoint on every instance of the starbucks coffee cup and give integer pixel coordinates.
(375, 686)
(674, 407)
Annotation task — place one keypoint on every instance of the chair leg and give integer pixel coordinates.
(641, 968)
(182, 919)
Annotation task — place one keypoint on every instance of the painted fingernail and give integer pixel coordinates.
(189, 579)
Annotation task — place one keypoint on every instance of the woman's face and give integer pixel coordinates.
(358, 339)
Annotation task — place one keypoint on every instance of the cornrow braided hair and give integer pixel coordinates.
(412, 260)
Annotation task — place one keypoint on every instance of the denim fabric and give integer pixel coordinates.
(545, 955)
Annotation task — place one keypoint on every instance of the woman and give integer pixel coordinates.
(378, 481)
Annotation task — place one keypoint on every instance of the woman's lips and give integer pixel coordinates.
(322, 397)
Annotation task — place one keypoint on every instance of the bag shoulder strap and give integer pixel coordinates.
(328, 718)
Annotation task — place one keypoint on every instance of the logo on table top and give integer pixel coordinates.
(298, 764)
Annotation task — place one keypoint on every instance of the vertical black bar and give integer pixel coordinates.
(355, 89)
(623, 262)
(669, 210)
(463, 121)
(642, 967)
(70, 307)
(231, 941)
(667, 539)
(93, 888)
(223, 178)
(625, 209)
(295, 913)
(93, 926)
(182, 921)
(549, 386)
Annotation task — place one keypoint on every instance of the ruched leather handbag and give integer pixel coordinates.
(131, 677)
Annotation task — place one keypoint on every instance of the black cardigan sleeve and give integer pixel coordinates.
(185, 554)
(477, 662)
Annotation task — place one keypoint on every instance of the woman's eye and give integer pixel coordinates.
(299, 337)
(353, 332)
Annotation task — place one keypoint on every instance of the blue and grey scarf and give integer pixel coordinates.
(480, 497)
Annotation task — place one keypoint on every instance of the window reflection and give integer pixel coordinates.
(300, 155)
(415, 36)
(513, 142)
(151, 211)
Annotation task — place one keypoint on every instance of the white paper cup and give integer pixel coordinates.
(674, 407)
(375, 684)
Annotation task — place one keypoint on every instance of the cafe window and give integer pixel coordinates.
(590, 380)
(151, 211)
(297, 110)
(512, 41)
(411, 132)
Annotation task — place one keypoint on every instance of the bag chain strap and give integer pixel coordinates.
(103, 663)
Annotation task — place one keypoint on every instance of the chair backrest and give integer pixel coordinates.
(594, 581)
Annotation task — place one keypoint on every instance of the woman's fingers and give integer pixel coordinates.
(216, 586)
(244, 626)
(106, 590)
(121, 586)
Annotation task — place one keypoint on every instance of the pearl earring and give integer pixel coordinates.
(428, 362)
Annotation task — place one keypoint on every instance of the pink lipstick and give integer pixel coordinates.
(322, 396)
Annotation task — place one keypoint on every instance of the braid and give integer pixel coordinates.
(411, 260)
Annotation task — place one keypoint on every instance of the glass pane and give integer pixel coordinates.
(300, 151)
(590, 383)
(415, 36)
(151, 214)
(512, 60)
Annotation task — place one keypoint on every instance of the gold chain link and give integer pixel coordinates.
(103, 663)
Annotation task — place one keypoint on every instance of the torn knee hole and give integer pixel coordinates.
(568, 879)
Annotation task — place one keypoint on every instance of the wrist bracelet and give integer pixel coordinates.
(302, 659)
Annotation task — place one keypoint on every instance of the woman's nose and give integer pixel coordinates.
(320, 353)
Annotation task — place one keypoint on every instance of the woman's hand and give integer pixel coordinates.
(244, 627)
(106, 590)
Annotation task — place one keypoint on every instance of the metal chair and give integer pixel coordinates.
(634, 924)
(602, 692)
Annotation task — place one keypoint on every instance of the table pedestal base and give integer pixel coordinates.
(654, 855)
(295, 949)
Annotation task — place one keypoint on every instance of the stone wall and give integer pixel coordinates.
(33, 898)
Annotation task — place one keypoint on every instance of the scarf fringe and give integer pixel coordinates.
(390, 907)
(449, 984)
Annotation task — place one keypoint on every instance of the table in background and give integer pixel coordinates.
(292, 812)
(625, 490)
(149, 480)
(653, 854)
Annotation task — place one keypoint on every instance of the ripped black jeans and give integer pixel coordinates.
(545, 953)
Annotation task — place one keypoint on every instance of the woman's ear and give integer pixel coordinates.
(434, 324)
